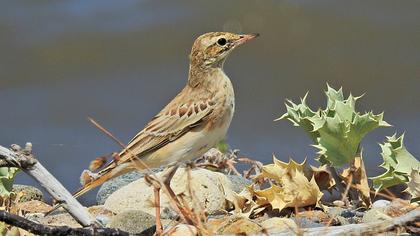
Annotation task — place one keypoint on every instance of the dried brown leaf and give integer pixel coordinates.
(359, 180)
(413, 186)
(322, 176)
(289, 186)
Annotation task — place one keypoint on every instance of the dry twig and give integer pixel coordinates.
(41, 229)
(23, 159)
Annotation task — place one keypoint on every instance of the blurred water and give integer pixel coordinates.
(121, 61)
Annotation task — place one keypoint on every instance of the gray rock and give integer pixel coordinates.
(116, 183)
(381, 203)
(29, 192)
(334, 211)
(343, 220)
(375, 214)
(238, 182)
(103, 219)
(348, 213)
(346, 221)
(36, 217)
(360, 213)
(59, 219)
(304, 222)
(134, 222)
(344, 216)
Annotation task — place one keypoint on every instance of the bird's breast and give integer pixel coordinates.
(226, 96)
(199, 140)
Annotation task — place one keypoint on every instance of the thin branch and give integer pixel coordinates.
(105, 131)
(373, 228)
(344, 196)
(41, 229)
(23, 159)
(140, 163)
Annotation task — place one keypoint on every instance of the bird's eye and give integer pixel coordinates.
(221, 41)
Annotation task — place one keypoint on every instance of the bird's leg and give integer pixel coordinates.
(151, 180)
(159, 228)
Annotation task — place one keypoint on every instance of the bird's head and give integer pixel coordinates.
(211, 49)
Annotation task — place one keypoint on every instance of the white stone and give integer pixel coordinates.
(381, 204)
(279, 224)
(208, 189)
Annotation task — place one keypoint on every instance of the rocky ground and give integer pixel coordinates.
(127, 203)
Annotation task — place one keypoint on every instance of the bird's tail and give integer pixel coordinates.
(99, 180)
(109, 172)
(101, 177)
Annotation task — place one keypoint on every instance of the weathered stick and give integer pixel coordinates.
(373, 228)
(41, 229)
(23, 159)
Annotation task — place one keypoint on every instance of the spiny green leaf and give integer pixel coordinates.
(398, 163)
(333, 96)
(334, 144)
(336, 130)
(302, 115)
(7, 176)
(388, 179)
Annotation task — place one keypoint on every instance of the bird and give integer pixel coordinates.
(189, 125)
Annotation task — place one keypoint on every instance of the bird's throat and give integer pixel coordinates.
(203, 76)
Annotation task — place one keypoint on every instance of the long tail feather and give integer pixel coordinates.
(103, 176)
(93, 184)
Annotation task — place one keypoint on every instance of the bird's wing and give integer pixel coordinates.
(171, 123)
(176, 119)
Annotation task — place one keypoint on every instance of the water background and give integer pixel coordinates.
(122, 61)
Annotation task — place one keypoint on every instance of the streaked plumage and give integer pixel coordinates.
(193, 122)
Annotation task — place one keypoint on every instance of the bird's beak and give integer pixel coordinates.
(243, 38)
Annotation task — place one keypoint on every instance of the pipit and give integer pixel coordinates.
(193, 122)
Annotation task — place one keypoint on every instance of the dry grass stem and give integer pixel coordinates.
(390, 193)
(344, 196)
(105, 131)
(256, 167)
